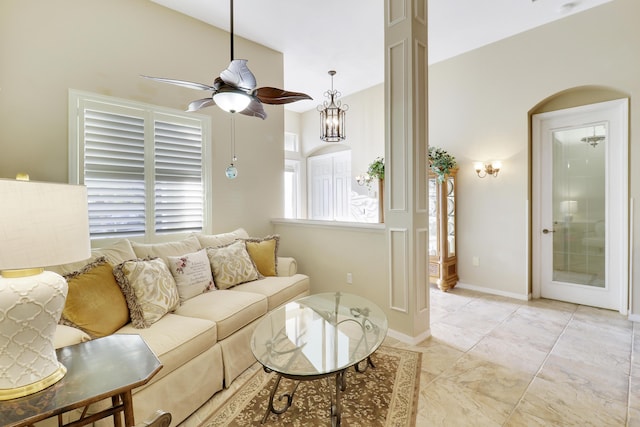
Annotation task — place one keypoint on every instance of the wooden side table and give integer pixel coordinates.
(109, 367)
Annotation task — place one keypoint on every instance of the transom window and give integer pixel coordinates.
(143, 166)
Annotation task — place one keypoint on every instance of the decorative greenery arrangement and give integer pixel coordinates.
(441, 162)
(376, 169)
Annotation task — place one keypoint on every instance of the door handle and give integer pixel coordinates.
(547, 231)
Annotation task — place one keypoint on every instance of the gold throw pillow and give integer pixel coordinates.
(95, 303)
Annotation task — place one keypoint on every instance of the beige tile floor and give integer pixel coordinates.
(495, 361)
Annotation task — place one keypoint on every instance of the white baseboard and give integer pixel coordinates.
(491, 291)
(407, 339)
(634, 317)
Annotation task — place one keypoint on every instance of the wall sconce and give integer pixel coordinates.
(484, 169)
(363, 179)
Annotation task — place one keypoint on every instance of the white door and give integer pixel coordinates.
(580, 205)
(329, 192)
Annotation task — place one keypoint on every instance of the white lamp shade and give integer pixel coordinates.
(569, 206)
(42, 224)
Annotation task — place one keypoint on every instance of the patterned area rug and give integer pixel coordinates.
(384, 396)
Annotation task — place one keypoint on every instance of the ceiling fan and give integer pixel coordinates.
(235, 89)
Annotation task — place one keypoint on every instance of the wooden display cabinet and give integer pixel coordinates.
(443, 268)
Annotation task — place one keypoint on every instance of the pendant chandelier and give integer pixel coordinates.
(332, 116)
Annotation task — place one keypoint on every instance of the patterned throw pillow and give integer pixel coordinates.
(264, 253)
(95, 303)
(232, 265)
(192, 273)
(149, 289)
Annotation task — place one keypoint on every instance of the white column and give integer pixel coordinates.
(406, 118)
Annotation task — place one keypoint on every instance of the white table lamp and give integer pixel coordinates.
(41, 224)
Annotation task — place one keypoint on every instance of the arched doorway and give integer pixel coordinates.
(580, 200)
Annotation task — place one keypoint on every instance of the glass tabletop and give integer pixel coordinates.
(319, 334)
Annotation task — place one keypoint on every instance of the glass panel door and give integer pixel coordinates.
(578, 204)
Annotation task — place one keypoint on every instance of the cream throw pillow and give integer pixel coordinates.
(149, 289)
(232, 265)
(192, 273)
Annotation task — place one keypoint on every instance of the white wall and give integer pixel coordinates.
(48, 47)
(479, 110)
(479, 105)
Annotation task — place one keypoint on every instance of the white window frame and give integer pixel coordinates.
(79, 101)
(292, 165)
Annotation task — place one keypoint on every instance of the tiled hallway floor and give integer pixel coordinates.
(495, 361)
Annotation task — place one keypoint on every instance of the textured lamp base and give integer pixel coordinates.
(30, 308)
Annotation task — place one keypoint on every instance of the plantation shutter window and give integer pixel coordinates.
(178, 177)
(114, 173)
(142, 165)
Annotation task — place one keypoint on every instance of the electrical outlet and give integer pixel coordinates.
(349, 278)
(475, 261)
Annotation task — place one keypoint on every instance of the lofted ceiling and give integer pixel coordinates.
(347, 35)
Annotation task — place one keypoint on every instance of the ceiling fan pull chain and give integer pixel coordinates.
(231, 172)
(233, 138)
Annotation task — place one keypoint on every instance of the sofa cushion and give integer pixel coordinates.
(149, 289)
(95, 303)
(192, 273)
(278, 290)
(67, 335)
(232, 265)
(167, 249)
(176, 340)
(264, 253)
(229, 309)
(222, 239)
(115, 254)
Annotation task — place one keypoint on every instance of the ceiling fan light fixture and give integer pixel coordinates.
(235, 90)
(231, 100)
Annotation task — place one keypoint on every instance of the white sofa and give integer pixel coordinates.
(204, 344)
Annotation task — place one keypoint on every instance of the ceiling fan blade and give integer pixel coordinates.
(183, 83)
(254, 109)
(239, 75)
(200, 103)
(272, 95)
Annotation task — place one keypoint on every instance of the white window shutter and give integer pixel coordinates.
(178, 176)
(114, 173)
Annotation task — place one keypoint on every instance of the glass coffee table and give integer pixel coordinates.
(315, 337)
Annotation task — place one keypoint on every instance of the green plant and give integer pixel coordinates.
(376, 169)
(441, 163)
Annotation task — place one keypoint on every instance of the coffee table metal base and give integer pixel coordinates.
(336, 406)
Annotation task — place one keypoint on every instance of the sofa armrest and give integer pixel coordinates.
(67, 335)
(287, 266)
